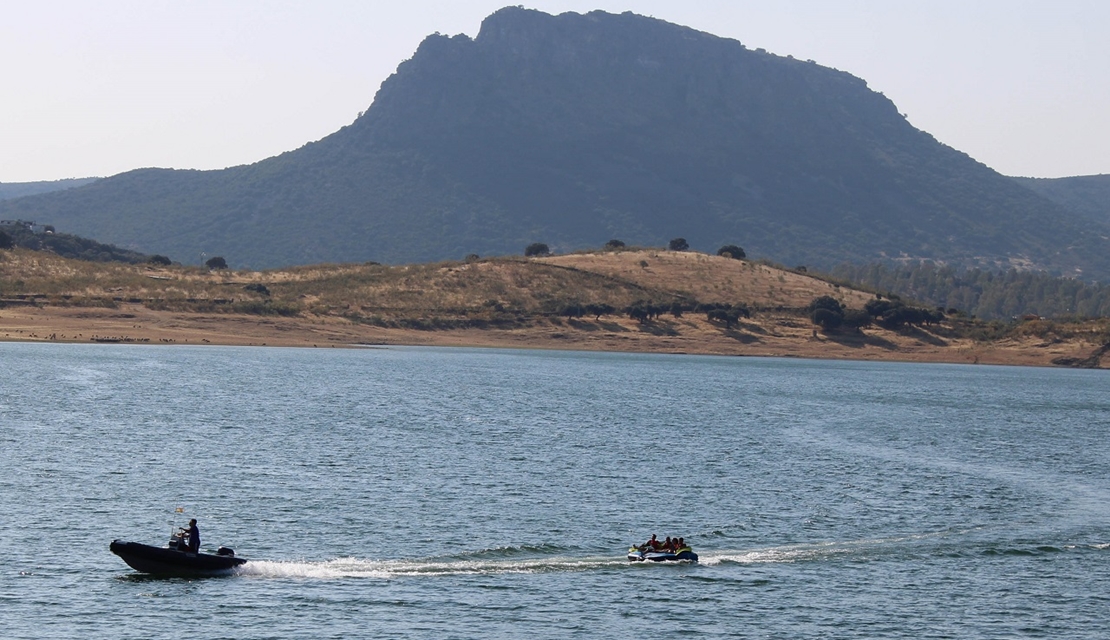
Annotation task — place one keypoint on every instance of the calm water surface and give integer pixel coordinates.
(463, 493)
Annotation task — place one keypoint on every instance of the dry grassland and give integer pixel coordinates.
(502, 302)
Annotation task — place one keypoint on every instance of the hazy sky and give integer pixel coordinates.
(98, 88)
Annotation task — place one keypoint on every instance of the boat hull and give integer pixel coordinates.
(686, 555)
(162, 561)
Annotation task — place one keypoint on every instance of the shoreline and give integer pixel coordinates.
(769, 337)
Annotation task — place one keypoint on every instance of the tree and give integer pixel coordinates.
(826, 312)
(599, 309)
(856, 318)
(732, 251)
(215, 263)
(727, 316)
(678, 244)
(638, 312)
(613, 245)
(160, 260)
(536, 249)
(5, 241)
(826, 318)
(827, 302)
(877, 307)
(573, 310)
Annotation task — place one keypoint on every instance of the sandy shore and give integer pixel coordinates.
(769, 336)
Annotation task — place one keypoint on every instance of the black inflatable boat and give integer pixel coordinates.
(174, 561)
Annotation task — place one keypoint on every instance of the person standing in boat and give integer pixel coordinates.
(194, 536)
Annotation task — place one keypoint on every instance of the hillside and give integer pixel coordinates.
(574, 129)
(28, 235)
(9, 190)
(1088, 196)
(508, 302)
(984, 294)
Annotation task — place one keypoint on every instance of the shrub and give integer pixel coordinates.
(732, 251)
(536, 249)
(678, 244)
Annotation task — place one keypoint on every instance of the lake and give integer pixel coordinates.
(470, 493)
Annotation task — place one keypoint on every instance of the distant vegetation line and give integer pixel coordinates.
(991, 295)
(44, 238)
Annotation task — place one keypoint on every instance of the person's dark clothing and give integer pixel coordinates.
(194, 538)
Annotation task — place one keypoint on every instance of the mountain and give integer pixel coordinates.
(9, 190)
(1088, 196)
(575, 129)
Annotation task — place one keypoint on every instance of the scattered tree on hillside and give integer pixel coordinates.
(215, 263)
(599, 309)
(160, 260)
(826, 312)
(638, 312)
(678, 244)
(5, 241)
(856, 319)
(644, 311)
(536, 249)
(722, 312)
(892, 313)
(573, 310)
(732, 251)
(614, 244)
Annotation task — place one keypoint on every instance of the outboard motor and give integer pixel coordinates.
(225, 551)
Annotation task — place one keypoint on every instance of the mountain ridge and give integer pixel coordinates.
(1088, 196)
(577, 128)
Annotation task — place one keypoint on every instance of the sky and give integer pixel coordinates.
(98, 88)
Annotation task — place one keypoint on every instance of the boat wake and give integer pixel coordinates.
(385, 569)
(549, 559)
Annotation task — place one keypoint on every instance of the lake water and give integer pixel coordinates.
(465, 493)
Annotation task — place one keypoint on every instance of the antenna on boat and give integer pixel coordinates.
(173, 523)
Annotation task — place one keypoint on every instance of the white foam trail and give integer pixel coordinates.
(388, 569)
(817, 551)
(385, 569)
